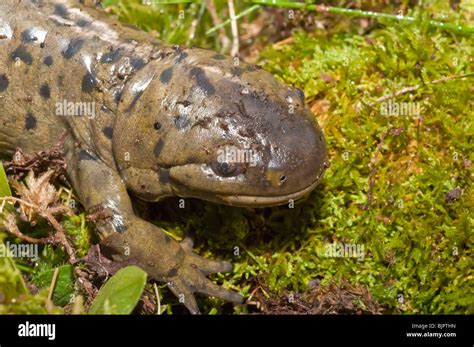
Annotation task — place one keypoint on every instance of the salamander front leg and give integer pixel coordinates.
(129, 239)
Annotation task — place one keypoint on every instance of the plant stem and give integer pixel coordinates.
(229, 20)
(360, 13)
(409, 89)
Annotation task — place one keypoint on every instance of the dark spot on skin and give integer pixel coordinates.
(237, 71)
(3, 82)
(45, 92)
(108, 132)
(157, 125)
(181, 56)
(83, 23)
(241, 107)
(73, 47)
(158, 147)
(180, 122)
(110, 57)
(173, 272)
(137, 63)
(202, 81)
(87, 155)
(203, 122)
(253, 67)
(166, 75)
(247, 132)
(30, 122)
(88, 83)
(48, 61)
(120, 227)
(60, 10)
(22, 54)
(219, 57)
(223, 126)
(117, 94)
(185, 103)
(164, 176)
(28, 36)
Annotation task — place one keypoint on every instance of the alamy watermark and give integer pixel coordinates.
(71, 109)
(236, 155)
(20, 250)
(342, 250)
(401, 109)
(28, 329)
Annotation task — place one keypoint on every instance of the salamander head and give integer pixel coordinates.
(196, 125)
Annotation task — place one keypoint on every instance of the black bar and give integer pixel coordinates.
(244, 330)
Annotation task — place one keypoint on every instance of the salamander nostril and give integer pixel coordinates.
(282, 179)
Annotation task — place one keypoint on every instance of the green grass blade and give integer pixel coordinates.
(227, 22)
(4, 186)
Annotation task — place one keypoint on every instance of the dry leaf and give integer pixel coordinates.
(38, 197)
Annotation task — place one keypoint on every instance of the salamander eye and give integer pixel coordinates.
(225, 168)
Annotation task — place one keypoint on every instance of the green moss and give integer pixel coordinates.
(418, 243)
(78, 230)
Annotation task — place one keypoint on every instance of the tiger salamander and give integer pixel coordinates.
(153, 120)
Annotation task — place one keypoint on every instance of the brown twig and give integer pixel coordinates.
(12, 228)
(216, 21)
(53, 283)
(409, 89)
(13, 199)
(61, 236)
(58, 237)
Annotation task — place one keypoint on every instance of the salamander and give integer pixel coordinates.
(151, 120)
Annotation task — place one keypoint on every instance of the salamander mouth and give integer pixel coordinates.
(242, 200)
(265, 201)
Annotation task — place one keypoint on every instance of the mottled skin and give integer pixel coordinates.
(161, 115)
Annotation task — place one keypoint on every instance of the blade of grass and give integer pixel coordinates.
(4, 186)
(229, 20)
(361, 13)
